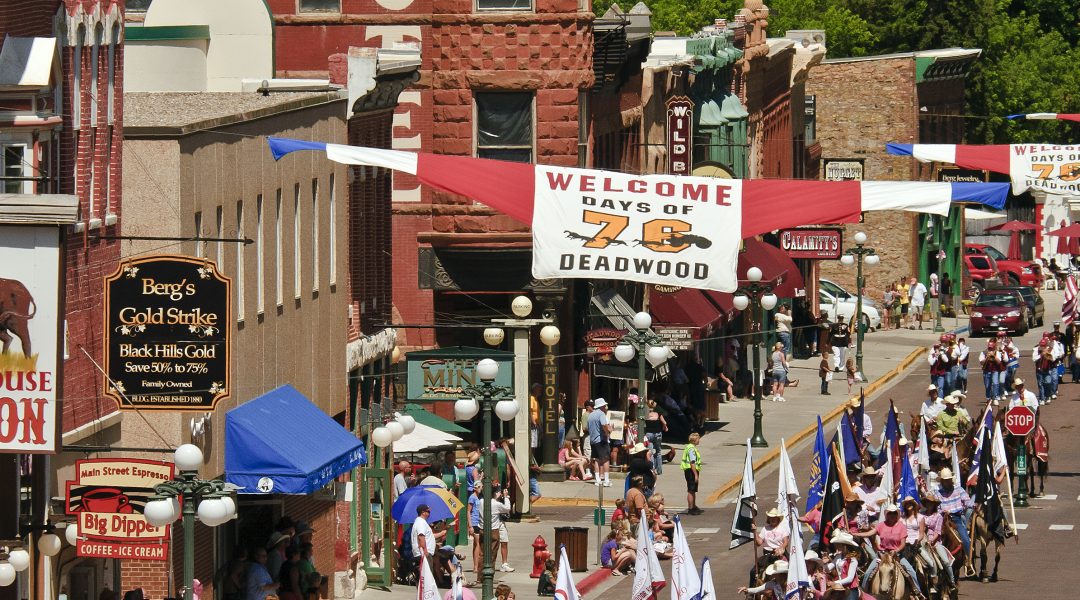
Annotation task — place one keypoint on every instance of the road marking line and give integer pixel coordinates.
(1061, 528)
(1020, 526)
(705, 530)
(1047, 497)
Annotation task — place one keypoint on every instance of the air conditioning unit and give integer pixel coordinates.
(806, 37)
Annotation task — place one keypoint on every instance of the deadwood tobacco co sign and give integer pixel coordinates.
(167, 333)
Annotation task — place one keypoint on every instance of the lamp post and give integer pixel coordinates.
(760, 294)
(491, 399)
(208, 498)
(858, 255)
(644, 344)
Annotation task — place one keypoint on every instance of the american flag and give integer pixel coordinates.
(1069, 310)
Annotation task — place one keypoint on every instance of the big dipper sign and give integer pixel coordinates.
(167, 334)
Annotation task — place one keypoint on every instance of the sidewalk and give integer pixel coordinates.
(570, 503)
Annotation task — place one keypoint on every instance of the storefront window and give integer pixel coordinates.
(504, 126)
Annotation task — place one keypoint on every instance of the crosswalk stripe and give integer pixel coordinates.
(1047, 497)
(1020, 526)
(707, 530)
(1061, 528)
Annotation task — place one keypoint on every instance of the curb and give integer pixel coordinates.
(773, 454)
(545, 501)
(593, 580)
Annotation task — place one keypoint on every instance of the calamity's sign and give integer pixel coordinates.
(647, 228)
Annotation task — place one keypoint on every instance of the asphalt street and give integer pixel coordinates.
(1038, 563)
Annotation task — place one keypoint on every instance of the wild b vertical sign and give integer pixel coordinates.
(29, 338)
(680, 133)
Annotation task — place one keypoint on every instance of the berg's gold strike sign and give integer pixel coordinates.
(167, 333)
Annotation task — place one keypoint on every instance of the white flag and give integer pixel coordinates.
(798, 578)
(924, 447)
(685, 581)
(649, 579)
(788, 489)
(564, 582)
(887, 482)
(426, 588)
(708, 590)
(997, 448)
(745, 510)
(956, 463)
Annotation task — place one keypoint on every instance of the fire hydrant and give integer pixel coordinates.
(540, 555)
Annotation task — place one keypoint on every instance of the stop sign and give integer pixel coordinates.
(1020, 420)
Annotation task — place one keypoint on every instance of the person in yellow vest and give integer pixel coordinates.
(691, 468)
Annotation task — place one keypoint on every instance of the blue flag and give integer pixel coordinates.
(908, 485)
(891, 437)
(818, 467)
(857, 416)
(847, 436)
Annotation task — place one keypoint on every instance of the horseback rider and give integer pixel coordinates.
(956, 503)
(869, 492)
(932, 523)
(891, 535)
(951, 422)
(1023, 397)
(930, 407)
(845, 564)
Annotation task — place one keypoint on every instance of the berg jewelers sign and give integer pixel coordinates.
(29, 338)
(167, 334)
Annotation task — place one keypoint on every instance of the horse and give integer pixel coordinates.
(981, 538)
(932, 576)
(950, 538)
(1037, 447)
(889, 583)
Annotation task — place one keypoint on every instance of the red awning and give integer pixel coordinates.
(687, 307)
(775, 266)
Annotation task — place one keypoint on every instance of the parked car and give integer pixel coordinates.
(1034, 301)
(999, 310)
(829, 305)
(835, 289)
(1013, 272)
(982, 268)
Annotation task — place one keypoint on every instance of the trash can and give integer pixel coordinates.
(712, 404)
(576, 540)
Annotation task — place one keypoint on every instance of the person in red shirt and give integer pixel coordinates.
(889, 535)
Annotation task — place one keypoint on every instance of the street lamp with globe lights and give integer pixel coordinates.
(760, 294)
(489, 398)
(645, 345)
(210, 499)
(852, 256)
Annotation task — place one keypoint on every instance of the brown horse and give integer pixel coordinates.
(1037, 447)
(981, 539)
(889, 583)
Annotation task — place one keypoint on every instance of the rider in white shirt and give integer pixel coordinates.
(1023, 397)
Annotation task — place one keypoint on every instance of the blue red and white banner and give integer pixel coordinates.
(1046, 117)
(659, 229)
(818, 468)
(1054, 169)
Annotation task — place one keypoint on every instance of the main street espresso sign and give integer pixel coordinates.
(167, 334)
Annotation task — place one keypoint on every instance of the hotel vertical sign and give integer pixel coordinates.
(680, 133)
(167, 334)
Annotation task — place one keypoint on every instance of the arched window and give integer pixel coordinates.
(99, 35)
(76, 64)
(112, 69)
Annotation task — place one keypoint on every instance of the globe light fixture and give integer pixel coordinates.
(506, 409)
(753, 274)
(213, 512)
(550, 335)
(71, 533)
(381, 437)
(395, 355)
(768, 301)
(741, 302)
(860, 238)
(624, 352)
(642, 321)
(493, 336)
(657, 354)
(158, 513)
(521, 306)
(407, 421)
(19, 559)
(487, 369)
(396, 430)
(49, 544)
(7, 574)
(847, 260)
(873, 260)
(465, 409)
(188, 457)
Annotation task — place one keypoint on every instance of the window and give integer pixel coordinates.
(220, 244)
(112, 71)
(16, 163)
(200, 246)
(333, 234)
(95, 50)
(76, 92)
(314, 235)
(332, 6)
(260, 258)
(137, 5)
(297, 252)
(503, 5)
(504, 126)
(279, 285)
(240, 283)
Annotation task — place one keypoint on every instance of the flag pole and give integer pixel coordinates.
(1012, 509)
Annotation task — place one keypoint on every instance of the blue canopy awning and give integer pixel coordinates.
(281, 443)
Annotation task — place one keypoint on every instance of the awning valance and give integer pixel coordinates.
(687, 307)
(281, 443)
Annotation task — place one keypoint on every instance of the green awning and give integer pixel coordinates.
(433, 420)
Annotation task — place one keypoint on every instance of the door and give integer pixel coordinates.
(376, 526)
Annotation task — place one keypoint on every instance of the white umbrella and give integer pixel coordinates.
(424, 437)
(974, 214)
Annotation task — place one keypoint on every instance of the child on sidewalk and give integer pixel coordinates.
(691, 465)
(825, 372)
(850, 368)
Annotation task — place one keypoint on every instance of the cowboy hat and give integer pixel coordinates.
(638, 448)
(931, 388)
(869, 470)
(931, 497)
(892, 508)
(277, 538)
(853, 497)
(945, 473)
(599, 403)
(777, 568)
(909, 499)
(951, 400)
(1018, 381)
(903, 441)
(958, 394)
(774, 513)
(843, 537)
(854, 403)
(812, 556)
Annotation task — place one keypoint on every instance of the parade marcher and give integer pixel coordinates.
(951, 422)
(956, 503)
(1057, 350)
(961, 369)
(1023, 397)
(889, 535)
(839, 339)
(1045, 370)
(992, 363)
(939, 366)
(933, 405)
